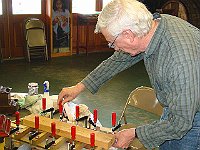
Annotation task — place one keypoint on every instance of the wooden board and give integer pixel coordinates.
(63, 129)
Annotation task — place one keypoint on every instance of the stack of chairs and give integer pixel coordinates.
(35, 39)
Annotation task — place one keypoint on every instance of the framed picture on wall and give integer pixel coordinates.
(61, 27)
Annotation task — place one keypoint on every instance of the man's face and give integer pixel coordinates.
(125, 41)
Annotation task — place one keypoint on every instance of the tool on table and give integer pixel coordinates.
(53, 132)
(116, 127)
(17, 119)
(119, 123)
(114, 117)
(73, 137)
(46, 110)
(35, 133)
(95, 118)
(92, 141)
(61, 110)
(44, 102)
(85, 119)
(122, 116)
(5, 124)
(77, 114)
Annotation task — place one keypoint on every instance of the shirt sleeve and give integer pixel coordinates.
(181, 92)
(118, 62)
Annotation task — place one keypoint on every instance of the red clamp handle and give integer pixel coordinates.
(17, 118)
(5, 131)
(7, 126)
(73, 133)
(36, 122)
(60, 108)
(2, 121)
(77, 112)
(114, 116)
(53, 129)
(44, 103)
(95, 115)
(92, 139)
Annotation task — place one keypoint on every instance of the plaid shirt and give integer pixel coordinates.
(172, 61)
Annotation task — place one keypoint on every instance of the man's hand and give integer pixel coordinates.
(124, 137)
(69, 93)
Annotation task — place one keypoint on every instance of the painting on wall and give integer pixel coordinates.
(61, 14)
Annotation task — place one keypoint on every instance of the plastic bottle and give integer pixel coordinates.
(32, 89)
(46, 90)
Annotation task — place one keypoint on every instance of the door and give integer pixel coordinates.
(14, 12)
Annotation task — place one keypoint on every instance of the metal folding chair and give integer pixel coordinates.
(35, 38)
(144, 98)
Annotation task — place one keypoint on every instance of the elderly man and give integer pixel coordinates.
(170, 49)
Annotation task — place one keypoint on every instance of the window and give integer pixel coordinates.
(1, 12)
(105, 2)
(26, 7)
(83, 6)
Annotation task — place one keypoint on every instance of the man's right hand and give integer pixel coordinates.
(69, 93)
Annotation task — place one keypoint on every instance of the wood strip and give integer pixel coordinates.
(63, 129)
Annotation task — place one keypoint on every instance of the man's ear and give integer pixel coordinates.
(128, 34)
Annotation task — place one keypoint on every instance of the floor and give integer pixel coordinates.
(67, 71)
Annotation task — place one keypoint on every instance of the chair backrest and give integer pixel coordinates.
(145, 98)
(35, 37)
(31, 23)
(35, 32)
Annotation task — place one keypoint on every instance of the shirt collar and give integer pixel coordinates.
(155, 41)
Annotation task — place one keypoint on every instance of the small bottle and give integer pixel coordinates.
(32, 89)
(46, 90)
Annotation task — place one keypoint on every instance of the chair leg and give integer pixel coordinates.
(28, 55)
(46, 54)
(125, 122)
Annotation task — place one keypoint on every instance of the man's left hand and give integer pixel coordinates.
(124, 137)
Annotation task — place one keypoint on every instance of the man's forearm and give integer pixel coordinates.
(80, 86)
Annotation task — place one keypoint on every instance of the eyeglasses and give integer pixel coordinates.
(111, 45)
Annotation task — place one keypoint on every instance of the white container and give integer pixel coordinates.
(46, 90)
(33, 89)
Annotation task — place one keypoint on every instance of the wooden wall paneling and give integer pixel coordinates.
(17, 42)
(48, 25)
(86, 27)
(99, 5)
(5, 30)
(74, 32)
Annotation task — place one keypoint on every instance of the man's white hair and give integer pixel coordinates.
(119, 15)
